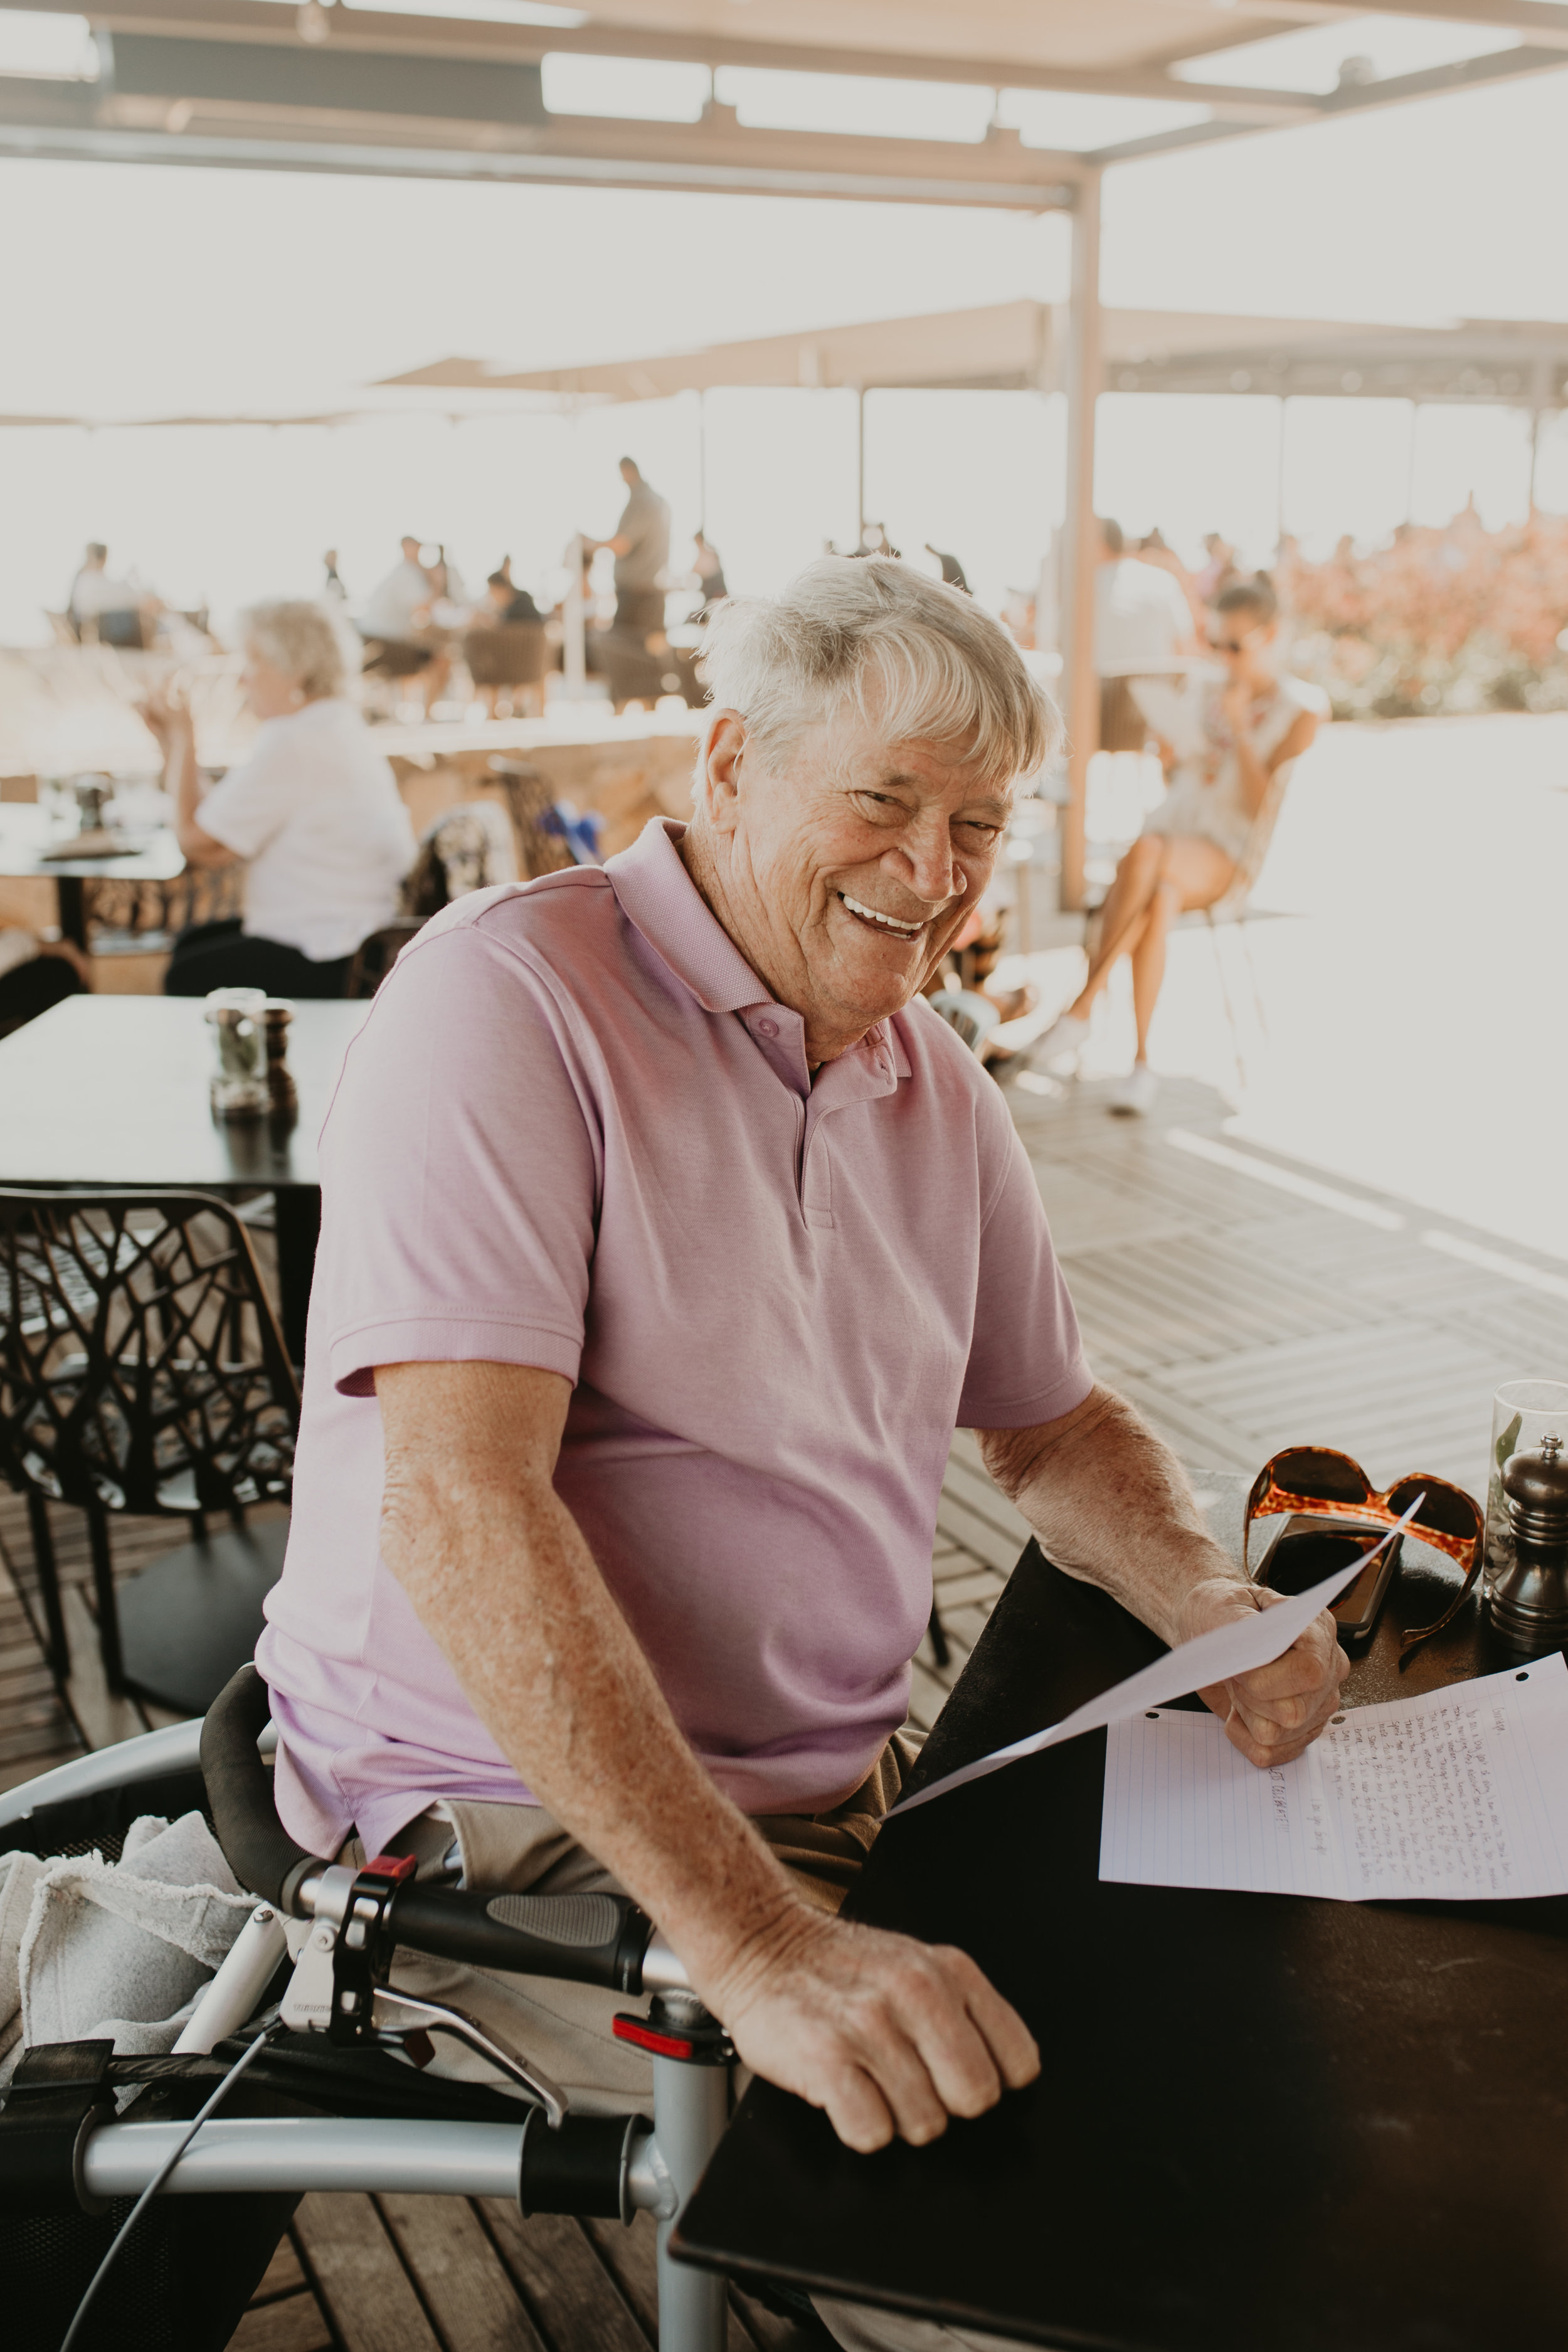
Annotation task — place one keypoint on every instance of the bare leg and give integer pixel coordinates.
(1194, 874)
(1137, 879)
(1148, 954)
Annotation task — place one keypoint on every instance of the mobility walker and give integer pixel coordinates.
(312, 2061)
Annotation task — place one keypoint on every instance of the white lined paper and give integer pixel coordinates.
(1454, 1795)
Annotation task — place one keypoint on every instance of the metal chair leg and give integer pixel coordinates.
(59, 1655)
(1252, 975)
(103, 1592)
(1224, 992)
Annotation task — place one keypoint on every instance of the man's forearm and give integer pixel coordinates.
(1112, 1505)
(560, 1683)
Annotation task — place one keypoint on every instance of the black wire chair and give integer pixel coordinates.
(141, 1369)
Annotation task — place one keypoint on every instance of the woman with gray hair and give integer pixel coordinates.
(313, 812)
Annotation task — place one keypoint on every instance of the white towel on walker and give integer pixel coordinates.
(116, 1951)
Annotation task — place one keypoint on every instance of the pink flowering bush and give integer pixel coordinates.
(1455, 620)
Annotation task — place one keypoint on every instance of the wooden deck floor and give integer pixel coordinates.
(1241, 1300)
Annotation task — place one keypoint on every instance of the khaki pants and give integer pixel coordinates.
(566, 2029)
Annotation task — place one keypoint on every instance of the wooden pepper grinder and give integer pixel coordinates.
(282, 1096)
(1530, 1598)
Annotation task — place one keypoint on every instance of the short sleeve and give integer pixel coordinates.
(254, 801)
(460, 1173)
(1025, 1359)
(1181, 610)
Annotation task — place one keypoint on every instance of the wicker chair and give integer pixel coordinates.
(509, 659)
(141, 1369)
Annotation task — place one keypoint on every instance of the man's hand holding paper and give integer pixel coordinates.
(1275, 1712)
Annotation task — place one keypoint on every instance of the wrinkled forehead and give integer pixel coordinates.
(856, 754)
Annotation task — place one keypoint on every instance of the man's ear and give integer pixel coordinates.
(720, 781)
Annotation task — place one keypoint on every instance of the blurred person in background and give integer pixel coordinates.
(1153, 548)
(313, 812)
(333, 585)
(397, 627)
(506, 601)
(448, 596)
(709, 566)
(107, 611)
(951, 570)
(1142, 627)
(504, 647)
(641, 549)
(1231, 731)
(1219, 567)
(399, 605)
(36, 973)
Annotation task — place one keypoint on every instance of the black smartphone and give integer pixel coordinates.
(1307, 1549)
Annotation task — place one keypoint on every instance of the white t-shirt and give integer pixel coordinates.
(315, 811)
(93, 593)
(393, 603)
(1139, 618)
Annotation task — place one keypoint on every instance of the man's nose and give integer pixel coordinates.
(930, 869)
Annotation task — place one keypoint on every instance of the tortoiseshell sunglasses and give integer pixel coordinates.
(1318, 1479)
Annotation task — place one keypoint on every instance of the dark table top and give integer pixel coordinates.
(1261, 2119)
(25, 833)
(113, 1090)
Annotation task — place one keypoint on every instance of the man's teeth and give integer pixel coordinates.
(889, 922)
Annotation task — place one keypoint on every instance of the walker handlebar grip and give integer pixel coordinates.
(258, 1849)
(597, 1939)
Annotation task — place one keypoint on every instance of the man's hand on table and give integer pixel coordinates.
(889, 2036)
(1273, 1713)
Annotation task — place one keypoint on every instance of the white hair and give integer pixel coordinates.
(308, 643)
(916, 661)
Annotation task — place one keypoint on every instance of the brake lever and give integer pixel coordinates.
(457, 2021)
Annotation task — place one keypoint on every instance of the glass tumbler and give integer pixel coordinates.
(1523, 1412)
(239, 1019)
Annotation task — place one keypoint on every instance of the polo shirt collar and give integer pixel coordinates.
(663, 902)
(653, 886)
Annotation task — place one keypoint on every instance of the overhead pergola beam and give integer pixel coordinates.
(1544, 21)
(249, 111)
(366, 33)
(250, 20)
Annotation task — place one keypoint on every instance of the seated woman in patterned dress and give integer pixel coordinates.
(1250, 722)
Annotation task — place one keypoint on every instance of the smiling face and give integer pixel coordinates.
(842, 867)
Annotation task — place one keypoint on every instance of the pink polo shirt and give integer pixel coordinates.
(576, 1132)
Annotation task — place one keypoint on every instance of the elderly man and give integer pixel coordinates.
(666, 1237)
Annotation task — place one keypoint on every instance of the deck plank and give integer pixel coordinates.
(290, 2323)
(362, 2284)
(556, 2267)
(461, 2277)
(284, 2273)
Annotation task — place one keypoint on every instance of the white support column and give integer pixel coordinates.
(1542, 400)
(1079, 684)
(574, 620)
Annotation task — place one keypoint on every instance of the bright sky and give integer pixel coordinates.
(146, 291)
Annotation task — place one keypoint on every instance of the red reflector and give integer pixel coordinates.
(393, 1865)
(663, 2046)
